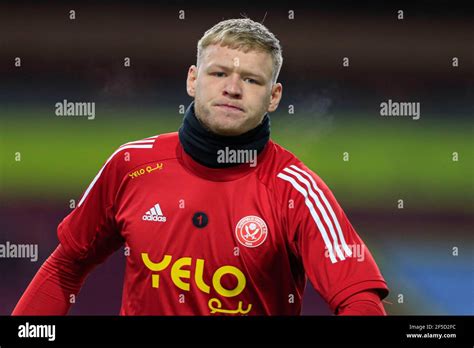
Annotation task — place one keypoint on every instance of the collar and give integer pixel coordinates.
(198, 150)
(212, 150)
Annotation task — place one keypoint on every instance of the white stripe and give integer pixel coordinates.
(329, 208)
(321, 209)
(153, 211)
(151, 141)
(100, 172)
(315, 216)
(158, 209)
(143, 141)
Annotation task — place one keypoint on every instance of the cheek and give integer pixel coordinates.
(199, 86)
(206, 89)
(262, 98)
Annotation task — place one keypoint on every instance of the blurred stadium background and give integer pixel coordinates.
(336, 110)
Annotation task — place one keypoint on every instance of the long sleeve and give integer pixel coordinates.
(336, 260)
(51, 290)
(362, 303)
(88, 235)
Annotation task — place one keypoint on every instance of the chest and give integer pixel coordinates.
(171, 215)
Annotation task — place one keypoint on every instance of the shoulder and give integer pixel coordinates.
(282, 161)
(287, 174)
(129, 156)
(135, 153)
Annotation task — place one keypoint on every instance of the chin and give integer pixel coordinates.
(224, 125)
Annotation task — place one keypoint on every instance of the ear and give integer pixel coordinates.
(277, 90)
(191, 81)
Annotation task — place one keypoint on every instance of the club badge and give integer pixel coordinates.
(251, 231)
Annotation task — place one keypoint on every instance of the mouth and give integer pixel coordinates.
(229, 107)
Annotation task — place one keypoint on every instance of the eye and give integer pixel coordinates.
(252, 81)
(218, 74)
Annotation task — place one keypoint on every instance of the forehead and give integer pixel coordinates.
(257, 61)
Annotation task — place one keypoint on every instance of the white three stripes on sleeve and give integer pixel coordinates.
(139, 144)
(307, 190)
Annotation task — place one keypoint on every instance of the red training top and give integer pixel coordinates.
(203, 241)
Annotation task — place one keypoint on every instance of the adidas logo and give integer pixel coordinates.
(154, 214)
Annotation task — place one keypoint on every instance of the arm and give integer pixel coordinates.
(88, 235)
(50, 291)
(363, 303)
(334, 257)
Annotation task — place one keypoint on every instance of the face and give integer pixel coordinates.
(232, 90)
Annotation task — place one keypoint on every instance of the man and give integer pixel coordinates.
(217, 218)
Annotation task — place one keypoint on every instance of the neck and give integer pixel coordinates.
(205, 146)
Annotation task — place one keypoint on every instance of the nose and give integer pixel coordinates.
(232, 87)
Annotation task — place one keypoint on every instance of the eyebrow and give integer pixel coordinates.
(243, 72)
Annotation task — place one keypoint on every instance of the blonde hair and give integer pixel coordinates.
(246, 35)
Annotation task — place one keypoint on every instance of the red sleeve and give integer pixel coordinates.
(92, 222)
(88, 235)
(49, 293)
(363, 303)
(336, 260)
